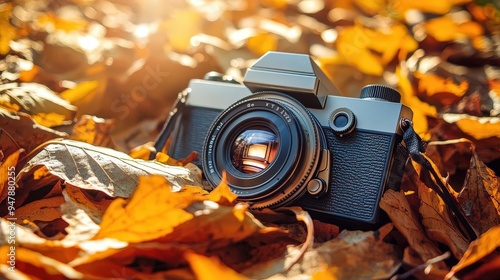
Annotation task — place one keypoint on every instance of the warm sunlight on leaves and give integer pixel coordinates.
(446, 29)
(131, 221)
(9, 32)
(87, 86)
(206, 268)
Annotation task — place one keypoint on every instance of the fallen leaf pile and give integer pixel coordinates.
(86, 85)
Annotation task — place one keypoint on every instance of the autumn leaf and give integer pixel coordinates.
(479, 248)
(445, 28)
(98, 168)
(439, 224)
(397, 207)
(421, 110)
(490, 127)
(32, 264)
(39, 101)
(153, 199)
(19, 130)
(8, 172)
(206, 268)
(359, 46)
(9, 32)
(440, 90)
(480, 196)
(93, 130)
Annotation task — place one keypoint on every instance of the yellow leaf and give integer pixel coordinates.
(445, 29)
(210, 268)
(477, 127)
(420, 109)
(369, 50)
(262, 43)
(153, 211)
(9, 32)
(180, 38)
(50, 21)
(429, 6)
(80, 92)
(50, 119)
(143, 151)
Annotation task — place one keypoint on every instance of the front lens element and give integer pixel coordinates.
(253, 150)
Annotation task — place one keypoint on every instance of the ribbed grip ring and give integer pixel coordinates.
(381, 92)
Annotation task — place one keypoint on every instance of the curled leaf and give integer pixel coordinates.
(98, 168)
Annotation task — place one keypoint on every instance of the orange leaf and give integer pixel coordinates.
(36, 265)
(206, 268)
(153, 211)
(479, 248)
(8, 174)
(445, 29)
(442, 91)
(222, 193)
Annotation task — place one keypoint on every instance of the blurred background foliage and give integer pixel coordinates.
(126, 60)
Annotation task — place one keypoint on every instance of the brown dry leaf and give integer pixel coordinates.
(352, 255)
(437, 220)
(19, 131)
(478, 249)
(432, 269)
(39, 101)
(206, 268)
(94, 208)
(480, 196)
(93, 130)
(98, 168)
(445, 29)
(397, 207)
(45, 210)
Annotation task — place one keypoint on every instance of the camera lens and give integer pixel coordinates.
(254, 149)
(268, 144)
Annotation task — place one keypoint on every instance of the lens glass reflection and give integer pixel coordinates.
(253, 150)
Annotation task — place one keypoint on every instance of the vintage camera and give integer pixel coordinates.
(286, 137)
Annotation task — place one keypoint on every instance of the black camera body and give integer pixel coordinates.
(286, 137)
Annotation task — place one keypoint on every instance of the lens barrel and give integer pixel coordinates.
(268, 144)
